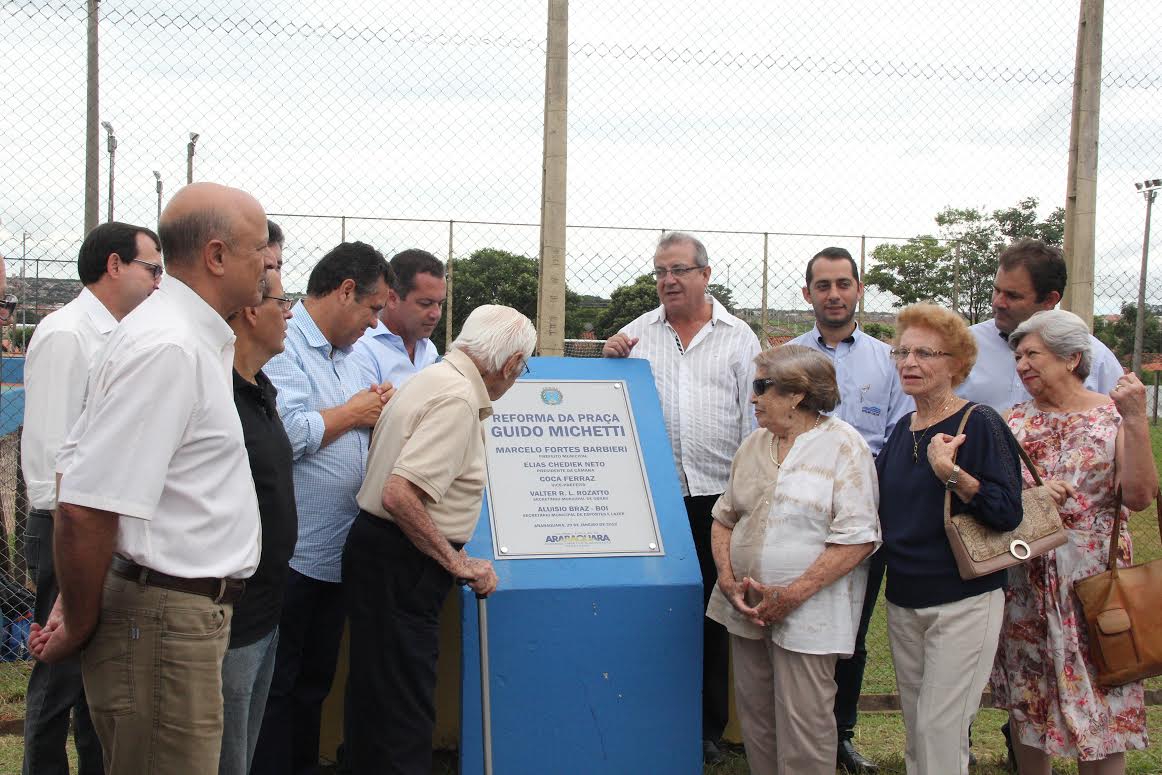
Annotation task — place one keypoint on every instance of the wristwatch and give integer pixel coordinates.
(953, 478)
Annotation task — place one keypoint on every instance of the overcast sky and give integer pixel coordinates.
(851, 118)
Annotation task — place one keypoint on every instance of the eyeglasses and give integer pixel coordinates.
(527, 370)
(922, 353)
(284, 303)
(7, 307)
(156, 269)
(759, 386)
(660, 272)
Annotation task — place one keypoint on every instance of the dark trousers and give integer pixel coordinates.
(394, 595)
(304, 668)
(849, 672)
(54, 691)
(715, 639)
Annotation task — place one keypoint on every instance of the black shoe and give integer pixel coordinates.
(851, 760)
(711, 753)
(1012, 760)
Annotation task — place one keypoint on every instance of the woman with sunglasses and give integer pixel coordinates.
(942, 630)
(790, 537)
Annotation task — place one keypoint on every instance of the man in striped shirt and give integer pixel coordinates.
(702, 358)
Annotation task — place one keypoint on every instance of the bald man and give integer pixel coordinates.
(157, 519)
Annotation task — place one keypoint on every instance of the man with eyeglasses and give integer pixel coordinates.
(702, 358)
(119, 266)
(872, 401)
(399, 345)
(328, 408)
(248, 667)
(157, 523)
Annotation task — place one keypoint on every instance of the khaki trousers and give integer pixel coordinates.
(784, 701)
(943, 656)
(153, 678)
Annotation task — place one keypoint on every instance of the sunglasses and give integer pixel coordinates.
(759, 386)
(7, 307)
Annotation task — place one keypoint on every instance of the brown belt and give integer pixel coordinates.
(218, 590)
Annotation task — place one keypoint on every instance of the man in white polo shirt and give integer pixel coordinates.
(703, 363)
(157, 519)
(120, 266)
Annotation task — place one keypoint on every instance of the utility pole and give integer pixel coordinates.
(92, 138)
(1081, 186)
(551, 294)
(157, 177)
(112, 155)
(190, 157)
(1148, 189)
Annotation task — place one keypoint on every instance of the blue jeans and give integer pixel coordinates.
(246, 674)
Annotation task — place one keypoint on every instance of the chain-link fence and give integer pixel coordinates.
(910, 133)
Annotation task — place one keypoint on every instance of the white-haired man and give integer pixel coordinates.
(418, 507)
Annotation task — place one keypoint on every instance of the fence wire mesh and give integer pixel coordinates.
(913, 133)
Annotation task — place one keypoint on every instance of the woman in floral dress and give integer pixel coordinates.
(1085, 445)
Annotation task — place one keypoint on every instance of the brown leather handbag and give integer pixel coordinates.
(980, 550)
(1123, 614)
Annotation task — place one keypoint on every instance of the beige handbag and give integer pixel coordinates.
(981, 550)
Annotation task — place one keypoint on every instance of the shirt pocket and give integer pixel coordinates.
(867, 408)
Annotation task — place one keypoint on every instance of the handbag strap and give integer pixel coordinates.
(1112, 563)
(1029, 464)
(1113, 558)
(959, 430)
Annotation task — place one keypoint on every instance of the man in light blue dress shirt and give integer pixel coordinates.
(328, 408)
(400, 344)
(872, 401)
(1031, 277)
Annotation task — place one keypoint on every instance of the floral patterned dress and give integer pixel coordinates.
(1043, 673)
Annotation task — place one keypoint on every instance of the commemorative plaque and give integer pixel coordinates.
(566, 476)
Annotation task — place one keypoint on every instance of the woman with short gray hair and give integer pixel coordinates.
(1086, 446)
(790, 536)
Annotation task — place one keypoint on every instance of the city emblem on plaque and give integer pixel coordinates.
(552, 396)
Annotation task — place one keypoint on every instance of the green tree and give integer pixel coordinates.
(625, 304)
(493, 276)
(962, 263)
(918, 270)
(1119, 335)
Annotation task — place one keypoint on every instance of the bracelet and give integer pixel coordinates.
(953, 478)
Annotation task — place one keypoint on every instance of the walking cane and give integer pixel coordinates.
(485, 693)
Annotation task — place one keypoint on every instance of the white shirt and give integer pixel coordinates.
(783, 518)
(704, 390)
(871, 397)
(160, 444)
(993, 380)
(56, 372)
(383, 357)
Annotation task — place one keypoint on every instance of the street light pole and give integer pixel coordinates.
(112, 152)
(157, 177)
(190, 157)
(1148, 189)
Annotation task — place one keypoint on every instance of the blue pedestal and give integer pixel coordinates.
(595, 662)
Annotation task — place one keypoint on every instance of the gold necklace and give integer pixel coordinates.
(771, 444)
(916, 441)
